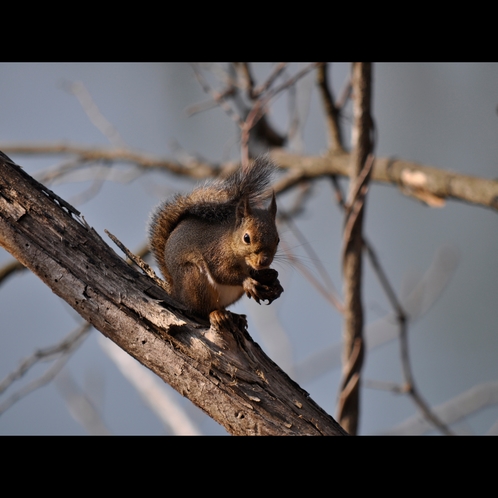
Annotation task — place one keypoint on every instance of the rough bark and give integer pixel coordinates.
(239, 387)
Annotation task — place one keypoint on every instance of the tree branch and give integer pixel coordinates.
(85, 154)
(331, 112)
(413, 179)
(240, 387)
(361, 167)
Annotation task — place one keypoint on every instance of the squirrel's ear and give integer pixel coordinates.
(273, 206)
(243, 208)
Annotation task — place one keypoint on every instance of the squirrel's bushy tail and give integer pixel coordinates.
(252, 181)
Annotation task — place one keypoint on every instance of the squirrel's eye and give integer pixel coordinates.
(247, 238)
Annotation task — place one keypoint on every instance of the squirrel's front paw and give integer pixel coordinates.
(263, 286)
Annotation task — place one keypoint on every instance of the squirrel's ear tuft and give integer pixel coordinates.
(243, 208)
(273, 206)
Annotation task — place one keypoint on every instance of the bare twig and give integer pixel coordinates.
(289, 82)
(151, 390)
(61, 352)
(277, 70)
(330, 293)
(80, 405)
(261, 98)
(345, 95)
(331, 111)
(409, 380)
(194, 169)
(329, 296)
(219, 97)
(410, 386)
(138, 261)
(402, 318)
(453, 410)
(79, 90)
(9, 269)
(260, 106)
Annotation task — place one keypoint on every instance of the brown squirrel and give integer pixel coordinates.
(217, 243)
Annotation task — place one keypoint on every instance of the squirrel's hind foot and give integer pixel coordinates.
(224, 320)
(222, 323)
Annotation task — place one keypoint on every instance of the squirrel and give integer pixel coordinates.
(217, 243)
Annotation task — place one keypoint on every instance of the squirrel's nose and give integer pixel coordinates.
(265, 260)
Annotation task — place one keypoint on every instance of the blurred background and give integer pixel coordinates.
(441, 261)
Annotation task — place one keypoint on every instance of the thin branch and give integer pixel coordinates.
(329, 294)
(219, 97)
(409, 386)
(80, 405)
(248, 80)
(138, 261)
(409, 176)
(344, 96)
(193, 169)
(258, 110)
(276, 72)
(259, 107)
(331, 112)
(79, 90)
(66, 345)
(273, 92)
(361, 167)
(409, 380)
(453, 410)
(61, 351)
(9, 269)
(151, 390)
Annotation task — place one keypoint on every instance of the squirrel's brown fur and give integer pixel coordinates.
(217, 242)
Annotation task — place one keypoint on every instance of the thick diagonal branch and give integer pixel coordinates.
(240, 387)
